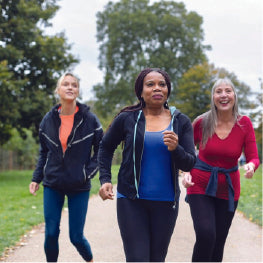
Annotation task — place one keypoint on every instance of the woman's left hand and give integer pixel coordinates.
(170, 139)
(249, 170)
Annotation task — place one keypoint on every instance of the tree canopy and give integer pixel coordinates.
(31, 62)
(194, 90)
(134, 34)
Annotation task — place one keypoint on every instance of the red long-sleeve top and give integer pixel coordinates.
(224, 153)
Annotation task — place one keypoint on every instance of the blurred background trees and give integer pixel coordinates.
(132, 35)
(30, 63)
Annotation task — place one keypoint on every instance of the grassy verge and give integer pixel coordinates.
(250, 202)
(20, 211)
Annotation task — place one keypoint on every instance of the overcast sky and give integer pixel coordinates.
(232, 27)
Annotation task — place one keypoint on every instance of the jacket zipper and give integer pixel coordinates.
(141, 162)
(69, 144)
(173, 168)
(134, 163)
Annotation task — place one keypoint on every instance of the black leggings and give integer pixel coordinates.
(146, 228)
(212, 221)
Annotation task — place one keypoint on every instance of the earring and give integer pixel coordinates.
(166, 105)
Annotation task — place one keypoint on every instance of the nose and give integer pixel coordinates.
(70, 86)
(223, 94)
(156, 88)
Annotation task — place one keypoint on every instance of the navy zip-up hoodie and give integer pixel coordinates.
(129, 127)
(72, 170)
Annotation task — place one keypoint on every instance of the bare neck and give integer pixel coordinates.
(154, 111)
(225, 117)
(68, 108)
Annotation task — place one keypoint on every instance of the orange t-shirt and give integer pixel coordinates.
(65, 128)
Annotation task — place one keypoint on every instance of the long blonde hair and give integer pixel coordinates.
(209, 121)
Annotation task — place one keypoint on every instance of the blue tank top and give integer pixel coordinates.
(156, 182)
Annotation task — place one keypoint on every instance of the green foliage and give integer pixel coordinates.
(9, 90)
(250, 202)
(26, 148)
(136, 34)
(33, 61)
(194, 90)
(258, 133)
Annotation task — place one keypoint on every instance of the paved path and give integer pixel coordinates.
(244, 243)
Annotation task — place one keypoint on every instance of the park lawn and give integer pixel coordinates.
(20, 211)
(250, 202)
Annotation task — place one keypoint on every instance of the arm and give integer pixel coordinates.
(184, 154)
(108, 145)
(38, 173)
(42, 159)
(250, 150)
(92, 167)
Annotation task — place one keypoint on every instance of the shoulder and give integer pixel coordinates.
(85, 110)
(49, 116)
(183, 118)
(127, 116)
(245, 123)
(244, 119)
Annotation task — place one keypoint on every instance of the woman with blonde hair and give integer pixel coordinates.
(69, 141)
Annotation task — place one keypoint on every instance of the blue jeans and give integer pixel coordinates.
(77, 208)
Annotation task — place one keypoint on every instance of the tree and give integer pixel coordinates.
(22, 151)
(33, 60)
(194, 90)
(134, 34)
(8, 113)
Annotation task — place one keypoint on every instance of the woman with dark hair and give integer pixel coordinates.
(69, 137)
(158, 141)
(213, 185)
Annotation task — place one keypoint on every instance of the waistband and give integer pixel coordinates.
(213, 181)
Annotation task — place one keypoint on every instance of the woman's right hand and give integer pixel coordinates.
(187, 180)
(106, 191)
(33, 187)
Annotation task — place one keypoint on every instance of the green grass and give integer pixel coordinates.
(250, 202)
(19, 210)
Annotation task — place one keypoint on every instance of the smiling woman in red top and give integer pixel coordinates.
(213, 185)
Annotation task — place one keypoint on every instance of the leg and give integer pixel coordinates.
(223, 222)
(53, 203)
(203, 214)
(134, 228)
(77, 207)
(163, 218)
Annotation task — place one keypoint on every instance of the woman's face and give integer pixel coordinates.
(155, 90)
(224, 98)
(68, 89)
